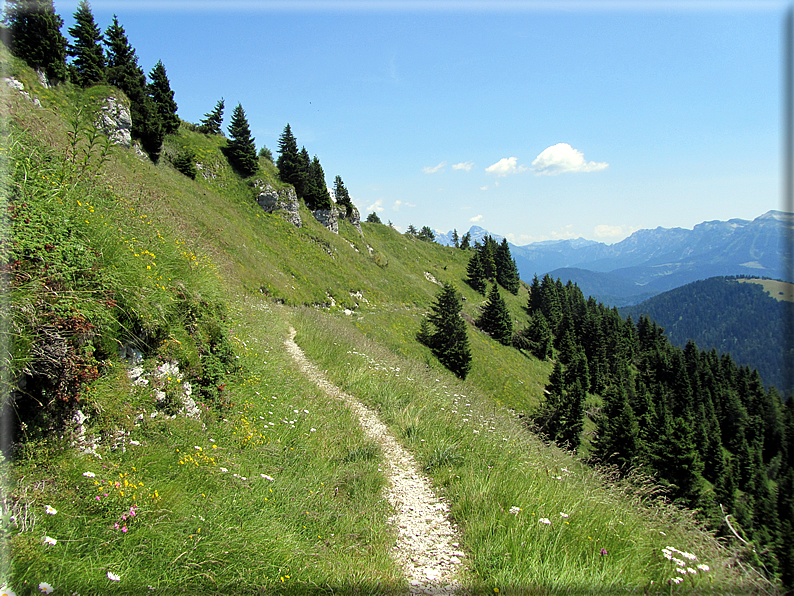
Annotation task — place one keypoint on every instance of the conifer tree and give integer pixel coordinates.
(487, 252)
(411, 231)
(448, 339)
(506, 269)
(495, 318)
(211, 124)
(241, 150)
(163, 99)
(89, 58)
(123, 72)
(426, 234)
(342, 196)
(36, 37)
(316, 194)
(373, 218)
(475, 273)
(617, 438)
(455, 238)
(288, 163)
(465, 242)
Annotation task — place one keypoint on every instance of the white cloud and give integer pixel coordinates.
(464, 165)
(605, 231)
(376, 206)
(398, 204)
(476, 218)
(561, 158)
(484, 187)
(505, 166)
(434, 169)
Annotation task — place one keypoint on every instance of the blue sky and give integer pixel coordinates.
(534, 120)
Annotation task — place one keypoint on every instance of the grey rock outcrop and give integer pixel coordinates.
(329, 218)
(272, 200)
(12, 83)
(115, 121)
(354, 218)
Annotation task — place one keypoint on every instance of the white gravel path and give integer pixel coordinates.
(426, 547)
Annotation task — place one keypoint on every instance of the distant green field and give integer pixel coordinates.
(779, 290)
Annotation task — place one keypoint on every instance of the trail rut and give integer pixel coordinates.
(426, 546)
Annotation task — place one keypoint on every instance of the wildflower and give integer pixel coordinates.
(676, 580)
(604, 552)
(224, 470)
(692, 571)
(89, 474)
(515, 510)
(5, 591)
(545, 520)
(701, 567)
(113, 577)
(45, 588)
(312, 429)
(266, 477)
(51, 541)
(563, 514)
(680, 570)
(50, 510)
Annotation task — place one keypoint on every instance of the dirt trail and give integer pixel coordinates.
(426, 543)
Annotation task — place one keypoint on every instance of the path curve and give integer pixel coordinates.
(426, 547)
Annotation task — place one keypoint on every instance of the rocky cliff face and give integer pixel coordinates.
(285, 200)
(328, 218)
(115, 121)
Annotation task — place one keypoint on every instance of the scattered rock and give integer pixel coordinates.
(116, 122)
(272, 200)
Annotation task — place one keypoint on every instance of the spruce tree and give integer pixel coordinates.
(123, 72)
(342, 196)
(475, 274)
(288, 162)
(617, 431)
(455, 239)
(304, 173)
(89, 58)
(163, 99)
(373, 218)
(241, 150)
(36, 37)
(506, 269)
(495, 318)
(317, 197)
(211, 124)
(465, 242)
(448, 341)
(426, 234)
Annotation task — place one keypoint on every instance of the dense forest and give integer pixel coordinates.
(703, 425)
(733, 317)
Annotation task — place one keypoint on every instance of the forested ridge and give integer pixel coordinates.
(734, 317)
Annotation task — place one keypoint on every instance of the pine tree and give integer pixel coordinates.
(211, 124)
(89, 58)
(465, 242)
(241, 150)
(448, 341)
(317, 197)
(617, 439)
(36, 37)
(455, 239)
(123, 72)
(342, 196)
(411, 231)
(426, 234)
(288, 163)
(506, 269)
(495, 318)
(373, 218)
(487, 252)
(163, 99)
(475, 274)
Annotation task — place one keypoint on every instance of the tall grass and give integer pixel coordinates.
(533, 518)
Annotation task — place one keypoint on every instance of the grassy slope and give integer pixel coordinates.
(320, 524)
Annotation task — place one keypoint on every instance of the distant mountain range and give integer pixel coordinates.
(652, 261)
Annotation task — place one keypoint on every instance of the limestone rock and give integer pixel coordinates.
(329, 218)
(354, 218)
(116, 122)
(272, 200)
(20, 87)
